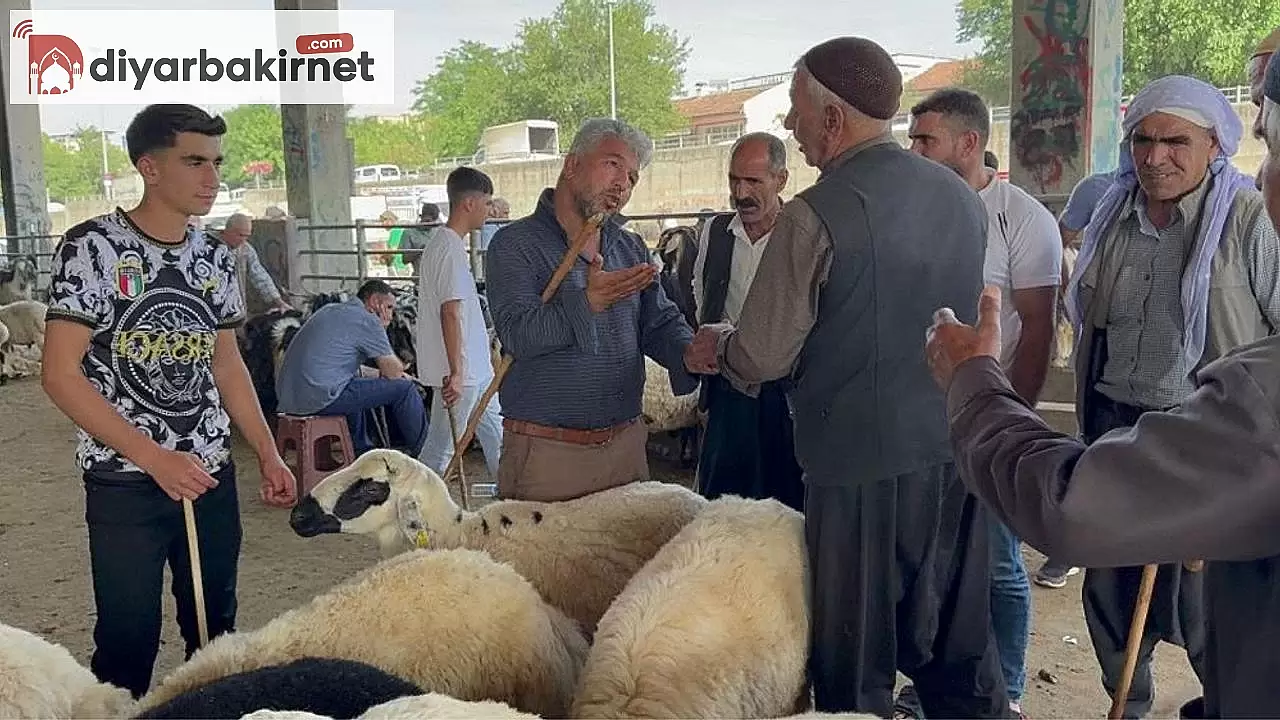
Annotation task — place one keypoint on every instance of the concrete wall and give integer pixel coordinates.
(688, 179)
(681, 180)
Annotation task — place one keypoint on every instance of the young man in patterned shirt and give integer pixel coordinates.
(141, 354)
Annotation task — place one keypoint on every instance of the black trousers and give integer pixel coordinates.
(900, 580)
(748, 449)
(1111, 594)
(134, 529)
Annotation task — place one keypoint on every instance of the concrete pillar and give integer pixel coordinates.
(21, 155)
(318, 174)
(1065, 119)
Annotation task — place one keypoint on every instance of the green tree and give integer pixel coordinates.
(562, 66)
(74, 169)
(558, 69)
(467, 93)
(253, 134)
(412, 143)
(1208, 39)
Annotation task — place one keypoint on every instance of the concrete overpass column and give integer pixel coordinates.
(21, 153)
(1067, 69)
(318, 174)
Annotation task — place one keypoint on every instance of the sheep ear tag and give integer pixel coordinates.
(411, 522)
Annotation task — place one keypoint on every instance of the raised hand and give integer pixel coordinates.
(949, 342)
(606, 287)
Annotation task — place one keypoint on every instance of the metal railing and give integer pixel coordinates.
(38, 246)
(362, 253)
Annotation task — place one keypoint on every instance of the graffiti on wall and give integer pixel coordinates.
(1048, 129)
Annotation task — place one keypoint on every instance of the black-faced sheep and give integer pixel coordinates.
(40, 679)
(579, 553)
(449, 621)
(334, 688)
(716, 625)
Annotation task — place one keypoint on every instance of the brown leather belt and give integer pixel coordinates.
(598, 436)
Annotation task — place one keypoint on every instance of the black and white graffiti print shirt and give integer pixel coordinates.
(155, 309)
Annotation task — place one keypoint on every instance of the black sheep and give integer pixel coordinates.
(333, 688)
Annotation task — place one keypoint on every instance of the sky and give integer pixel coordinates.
(727, 40)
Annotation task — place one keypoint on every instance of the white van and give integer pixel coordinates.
(377, 174)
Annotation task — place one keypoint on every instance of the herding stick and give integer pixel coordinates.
(1139, 623)
(197, 576)
(566, 264)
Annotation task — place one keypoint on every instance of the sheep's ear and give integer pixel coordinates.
(414, 527)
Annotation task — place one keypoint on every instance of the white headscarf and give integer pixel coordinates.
(1204, 105)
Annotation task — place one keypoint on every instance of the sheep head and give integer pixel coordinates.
(385, 494)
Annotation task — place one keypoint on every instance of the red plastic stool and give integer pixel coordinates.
(307, 443)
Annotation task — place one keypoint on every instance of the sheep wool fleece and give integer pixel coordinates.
(450, 621)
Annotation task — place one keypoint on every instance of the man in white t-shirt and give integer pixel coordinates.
(1024, 257)
(453, 344)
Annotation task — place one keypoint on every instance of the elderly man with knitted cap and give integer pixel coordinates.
(857, 263)
(1201, 481)
(1179, 265)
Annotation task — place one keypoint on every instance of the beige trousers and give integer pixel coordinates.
(547, 470)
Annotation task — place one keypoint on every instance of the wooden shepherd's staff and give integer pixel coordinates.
(1146, 589)
(566, 264)
(197, 575)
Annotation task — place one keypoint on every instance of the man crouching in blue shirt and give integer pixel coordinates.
(323, 371)
(571, 401)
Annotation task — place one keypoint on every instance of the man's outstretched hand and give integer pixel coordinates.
(950, 342)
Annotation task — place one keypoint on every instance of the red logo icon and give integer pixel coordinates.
(55, 61)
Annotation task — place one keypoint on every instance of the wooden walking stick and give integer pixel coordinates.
(197, 576)
(1145, 589)
(462, 475)
(566, 264)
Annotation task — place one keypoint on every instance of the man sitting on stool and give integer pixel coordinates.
(322, 372)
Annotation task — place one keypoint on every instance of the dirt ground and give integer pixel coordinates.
(44, 574)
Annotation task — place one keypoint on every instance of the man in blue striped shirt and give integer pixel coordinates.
(571, 401)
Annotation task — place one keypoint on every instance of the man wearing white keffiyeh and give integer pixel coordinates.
(1179, 265)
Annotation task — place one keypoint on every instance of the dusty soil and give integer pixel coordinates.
(44, 574)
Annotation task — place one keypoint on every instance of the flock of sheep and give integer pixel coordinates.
(644, 601)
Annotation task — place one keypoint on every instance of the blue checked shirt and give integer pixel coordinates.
(575, 368)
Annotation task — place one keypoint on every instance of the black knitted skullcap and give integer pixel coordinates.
(860, 72)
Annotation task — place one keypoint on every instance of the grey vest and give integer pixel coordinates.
(908, 237)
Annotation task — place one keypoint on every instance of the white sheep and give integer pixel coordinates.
(431, 705)
(5, 370)
(450, 621)
(716, 625)
(40, 679)
(578, 553)
(442, 707)
(25, 320)
(663, 410)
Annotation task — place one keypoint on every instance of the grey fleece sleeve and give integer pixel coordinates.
(1202, 481)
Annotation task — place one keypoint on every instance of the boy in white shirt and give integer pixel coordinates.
(453, 345)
